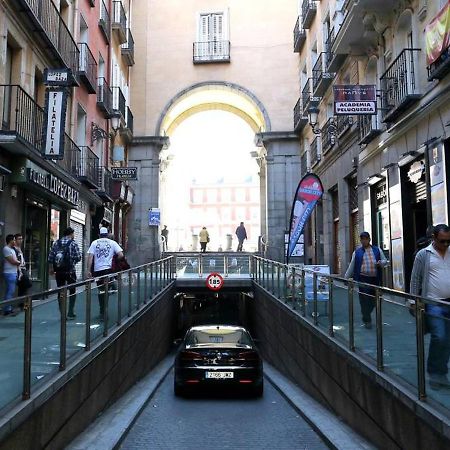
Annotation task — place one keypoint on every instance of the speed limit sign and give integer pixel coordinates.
(214, 281)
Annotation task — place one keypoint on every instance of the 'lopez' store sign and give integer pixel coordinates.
(53, 185)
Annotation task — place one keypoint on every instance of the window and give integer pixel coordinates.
(212, 43)
(212, 27)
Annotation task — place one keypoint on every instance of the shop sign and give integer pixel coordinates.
(154, 217)
(53, 185)
(355, 99)
(124, 173)
(381, 194)
(78, 216)
(58, 77)
(55, 119)
(107, 215)
(415, 171)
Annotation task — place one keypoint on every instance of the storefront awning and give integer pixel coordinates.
(437, 34)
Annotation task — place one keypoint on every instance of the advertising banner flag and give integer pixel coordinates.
(354, 99)
(437, 34)
(308, 193)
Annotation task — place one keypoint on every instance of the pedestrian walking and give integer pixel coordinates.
(203, 237)
(63, 257)
(23, 278)
(241, 234)
(10, 267)
(100, 261)
(430, 278)
(164, 237)
(366, 267)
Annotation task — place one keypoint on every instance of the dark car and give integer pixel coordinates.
(218, 355)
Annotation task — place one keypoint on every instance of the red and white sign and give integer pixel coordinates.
(214, 281)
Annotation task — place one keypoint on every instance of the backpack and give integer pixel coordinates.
(61, 262)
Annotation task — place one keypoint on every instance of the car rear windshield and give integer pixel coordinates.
(218, 336)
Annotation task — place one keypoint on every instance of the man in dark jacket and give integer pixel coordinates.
(366, 267)
(241, 234)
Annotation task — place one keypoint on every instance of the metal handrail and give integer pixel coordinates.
(105, 21)
(288, 292)
(211, 51)
(161, 274)
(87, 64)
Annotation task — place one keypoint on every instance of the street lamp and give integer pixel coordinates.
(313, 113)
(115, 120)
(98, 132)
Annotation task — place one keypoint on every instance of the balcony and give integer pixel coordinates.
(328, 135)
(87, 70)
(119, 102)
(300, 119)
(334, 60)
(104, 184)
(398, 84)
(441, 67)
(309, 10)
(105, 22)
(52, 34)
(104, 97)
(369, 127)
(128, 49)
(211, 52)
(88, 173)
(321, 76)
(22, 130)
(304, 164)
(315, 151)
(307, 98)
(127, 130)
(299, 36)
(343, 124)
(119, 22)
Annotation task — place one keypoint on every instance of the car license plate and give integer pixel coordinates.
(219, 375)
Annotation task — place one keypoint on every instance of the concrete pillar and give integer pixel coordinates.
(144, 241)
(282, 174)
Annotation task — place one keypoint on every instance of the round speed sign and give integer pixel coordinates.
(214, 281)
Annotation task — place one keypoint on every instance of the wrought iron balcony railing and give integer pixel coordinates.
(309, 10)
(441, 67)
(87, 68)
(88, 173)
(105, 21)
(71, 162)
(300, 116)
(334, 60)
(399, 87)
(321, 77)
(104, 184)
(328, 134)
(119, 22)
(304, 164)
(128, 49)
(315, 151)
(211, 52)
(299, 36)
(369, 127)
(129, 120)
(119, 102)
(343, 124)
(306, 95)
(104, 97)
(53, 30)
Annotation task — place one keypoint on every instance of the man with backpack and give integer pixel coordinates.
(63, 257)
(101, 254)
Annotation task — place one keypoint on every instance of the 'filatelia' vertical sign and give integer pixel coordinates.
(55, 113)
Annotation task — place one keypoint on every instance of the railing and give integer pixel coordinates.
(328, 134)
(343, 123)
(119, 102)
(306, 94)
(104, 96)
(22, 116)
(71, 162)
(300, 120)
(211, 51)
(41, 340)
(89, 165)
(119, 16)
(319, 70)
(396, 346)
(309, 9)
(49, 18)
(299, 35)
(105, 21)
(104, 181)
(304, 164)
(315, 151)
(129, 119)
(368, 128)
(128, 48)
(88, 65)
(399, 81)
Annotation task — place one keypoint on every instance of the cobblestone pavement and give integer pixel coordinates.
(208, 421)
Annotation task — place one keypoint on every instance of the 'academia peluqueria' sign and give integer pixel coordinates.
(354, 99)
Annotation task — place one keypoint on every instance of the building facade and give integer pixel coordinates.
(385, 173)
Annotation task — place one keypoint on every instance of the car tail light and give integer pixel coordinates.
(190, 356)
(248, 356)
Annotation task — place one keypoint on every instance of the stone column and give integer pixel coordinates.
(282, 174)
(144, 242)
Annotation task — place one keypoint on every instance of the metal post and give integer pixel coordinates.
(351, 322)
(421, 387)
(106, 307)
(88, 291)
(145, 283)
(28, 326)
(200, 266)
(293, 293)
(303, 292)
(151, 280)
(330, 308)
(279, 280)
(379, 323)
(63, 329)
(315, 312)
(138, 289)
(225, 266)
(272, 275)
(285, 285)
(130, 281)
(119, 298)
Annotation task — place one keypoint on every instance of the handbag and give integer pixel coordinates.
(23, 279)
(118, 265)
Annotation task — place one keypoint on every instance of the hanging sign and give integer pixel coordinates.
(124, 173)
(309, 192)
(154, 217)
(356, 99)
(58, 77)
(54, 123)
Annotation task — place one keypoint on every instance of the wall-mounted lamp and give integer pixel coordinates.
(374, 179)
(407, 157)
(313, 116)
(115, 120)
(97, 133)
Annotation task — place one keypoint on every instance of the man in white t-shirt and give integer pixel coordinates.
(101, 253)
(10, 267)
